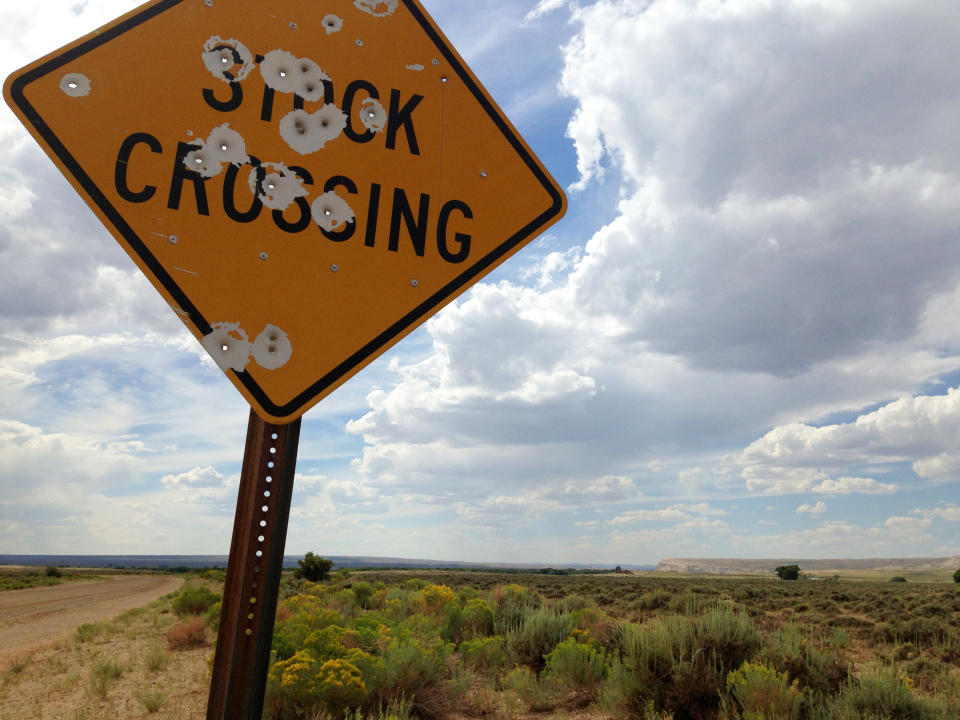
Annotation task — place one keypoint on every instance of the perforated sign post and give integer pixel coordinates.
(304, 183)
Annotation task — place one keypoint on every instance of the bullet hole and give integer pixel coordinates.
(331, 212)
(75, 85)
(222, 146)
(293, 26)
(358, 42)
(173, 240)
(263, 256)
(483, 173)
(276, 185)
(435, 61)
(272, 348)
(334, 268)
(372, 115)
(285, 72)
(208, 3)
(228, 345)
(331, 23)
(228, 60)
(377, 8)
(414, 283)
(307, 133)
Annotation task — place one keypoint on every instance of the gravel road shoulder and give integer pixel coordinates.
(35, 617)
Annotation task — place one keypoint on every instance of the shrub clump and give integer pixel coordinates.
(883, 695)
(194, 600)
(762, 692)
(313, 568)
(189, 634)
(576, 665)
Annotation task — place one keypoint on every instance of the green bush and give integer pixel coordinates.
(788, 651)
(512, 603)
(576, 665)
(788, 572)
(452, 630)
(956, 576)
(194, 600)
(313, 568)
(53, 571)
(477, 618)
(762, 692)
(362, 592)
(212, 616)
(652, 600)
(727, 638)
(484, 653)
(898, 579)
(412, 666)
(527, 688)
(680, 666)
(883, 695)
(540, 631)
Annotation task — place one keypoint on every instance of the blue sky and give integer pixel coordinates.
(741, 340)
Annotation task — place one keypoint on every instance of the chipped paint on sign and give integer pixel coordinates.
(331, 212)
(379, 8)
(272, 349)
(227, 60)
(332, 24)
(228, 345)
(276, 185)
(372, 115)
(285, 72)
(75, 84)
(416, 66)
(223, 146)
(307, 133)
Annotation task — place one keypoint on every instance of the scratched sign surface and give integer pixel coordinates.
(303, 182)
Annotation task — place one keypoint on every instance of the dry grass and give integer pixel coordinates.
(120, 671)
(189, 634)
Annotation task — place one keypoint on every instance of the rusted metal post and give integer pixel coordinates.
(253, 571)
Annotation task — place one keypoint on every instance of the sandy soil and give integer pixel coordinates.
(32, 618)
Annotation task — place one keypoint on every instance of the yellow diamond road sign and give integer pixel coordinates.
(304, 182)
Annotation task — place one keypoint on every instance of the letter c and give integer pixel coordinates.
(120, 171)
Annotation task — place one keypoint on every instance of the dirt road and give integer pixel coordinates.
(32, 618)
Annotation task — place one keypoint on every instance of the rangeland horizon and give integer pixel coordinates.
(422, 644)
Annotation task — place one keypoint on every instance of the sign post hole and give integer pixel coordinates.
(253, 571)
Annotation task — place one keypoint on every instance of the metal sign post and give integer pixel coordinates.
(253, 571)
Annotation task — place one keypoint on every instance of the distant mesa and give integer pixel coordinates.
(724, 566)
